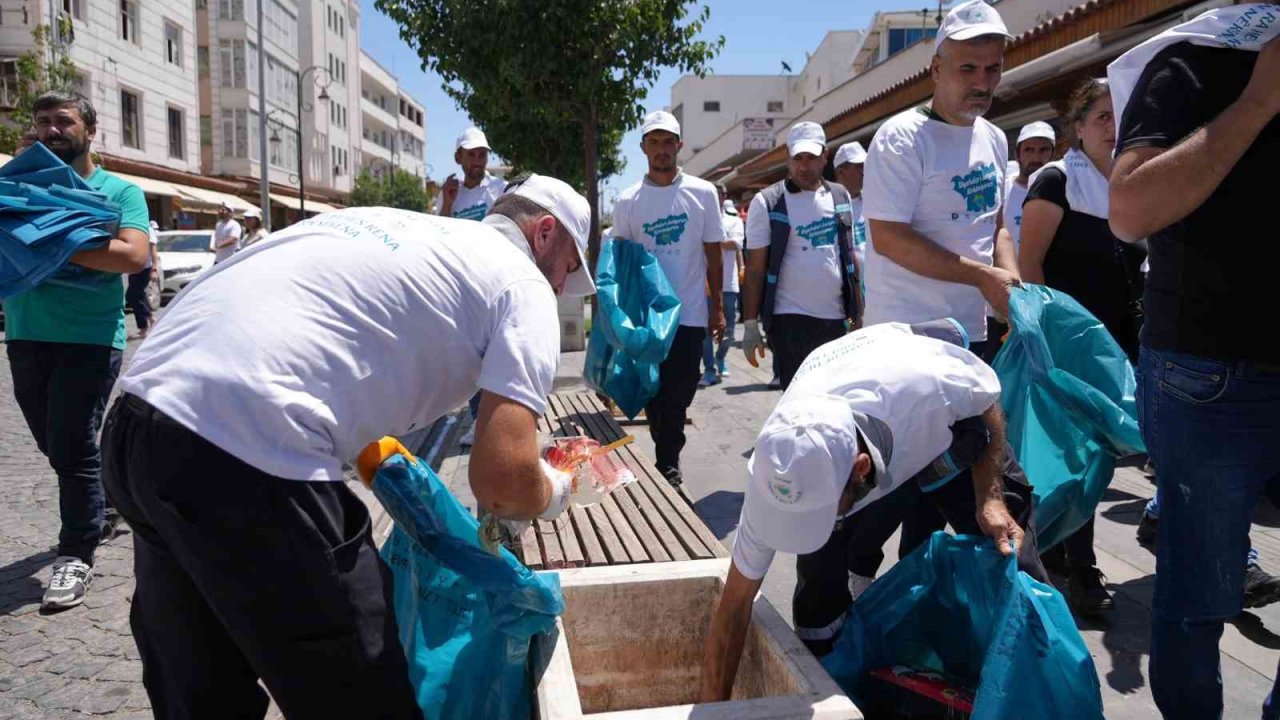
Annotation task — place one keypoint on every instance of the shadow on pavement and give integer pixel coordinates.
(1251, 627)
(744, 389)
(1127, 513)
(1126, 634)
(19, 584)
(720, 511)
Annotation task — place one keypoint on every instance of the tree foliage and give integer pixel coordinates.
(555, 83)
(45, 67)
(401, 189)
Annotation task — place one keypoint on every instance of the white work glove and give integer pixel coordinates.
(753, 342)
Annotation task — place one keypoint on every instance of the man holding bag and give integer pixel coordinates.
(225, 451)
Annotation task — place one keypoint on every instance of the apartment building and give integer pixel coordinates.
(393, 131)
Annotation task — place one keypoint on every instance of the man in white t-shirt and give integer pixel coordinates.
(677, 218)
(1034, 150)
(797, 232)
(935, 176)
(226, 235)
(225, 451)
(471, 198)
(850, 165)
(885, 406)
(714, 369)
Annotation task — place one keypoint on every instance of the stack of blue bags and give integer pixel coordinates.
(47, 214)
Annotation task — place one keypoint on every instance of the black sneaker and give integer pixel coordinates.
(113, 525)
(1088, 592)
(674, 477)
(1260, 587)
(1148, 529)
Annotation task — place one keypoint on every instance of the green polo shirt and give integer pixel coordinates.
(94, 313)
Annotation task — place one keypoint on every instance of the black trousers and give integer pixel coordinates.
(62, 390)
(1074, 554)
(678, 383)
(135, 296)
(822, 578)
(905, 506)
(793, 337)
(244, 576)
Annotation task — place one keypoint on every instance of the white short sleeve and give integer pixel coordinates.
(733, 231)
(758, 224)
(750, 556)
(968, 384)
(895, 174)
(520, 360)
(713, 227)
(235, 231)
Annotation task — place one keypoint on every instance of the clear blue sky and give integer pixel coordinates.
(759, 36)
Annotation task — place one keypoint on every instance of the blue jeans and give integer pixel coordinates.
(1152, 510)
(1211, 430)
(62, 390)
(713, 358)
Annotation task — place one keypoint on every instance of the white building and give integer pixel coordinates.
(707, 106)
(330, 49)
(393, 124)
(136, 63)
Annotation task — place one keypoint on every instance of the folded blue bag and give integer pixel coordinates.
(636, 316)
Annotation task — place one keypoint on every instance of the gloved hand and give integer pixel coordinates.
(561, 489)
(753, 342)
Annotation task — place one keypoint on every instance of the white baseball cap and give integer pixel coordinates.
(850, 153)
(1037, 129)
(573, 212)
(253, 213)
(660, 120)
(969, 20)
(801, 464)
(730, 208)
(472, 137)
(806, 137)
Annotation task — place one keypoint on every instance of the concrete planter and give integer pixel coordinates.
(629, 647)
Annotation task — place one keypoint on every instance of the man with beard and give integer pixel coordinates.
(65, 345)
(1033, 151)
(677, 218)
(472, 198)
(801, 276)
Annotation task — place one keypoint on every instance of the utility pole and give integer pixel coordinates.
(265, 164)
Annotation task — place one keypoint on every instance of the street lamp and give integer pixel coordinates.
(306, 106)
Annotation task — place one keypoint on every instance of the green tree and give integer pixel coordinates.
(400, 189)
(550, 81)
(45, 67)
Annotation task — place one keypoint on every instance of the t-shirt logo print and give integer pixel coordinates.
(978, 188)
(475, 212)
(668, 230)
(820, 232)
(784, 490)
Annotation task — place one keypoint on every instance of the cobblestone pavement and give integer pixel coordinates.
(74, 664)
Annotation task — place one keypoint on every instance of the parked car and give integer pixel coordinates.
(184, 254)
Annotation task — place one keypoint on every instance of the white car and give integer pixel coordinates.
(184, 254)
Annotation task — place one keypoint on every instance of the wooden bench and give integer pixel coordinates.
(645, 522)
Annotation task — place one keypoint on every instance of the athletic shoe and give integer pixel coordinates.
(1088, 592)
(1260, 587)
(1148, 529)
(68, 585)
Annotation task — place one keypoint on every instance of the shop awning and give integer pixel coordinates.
(201, 200)
(312, 206)
(149, 186)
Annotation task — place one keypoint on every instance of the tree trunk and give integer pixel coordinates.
(590, 142)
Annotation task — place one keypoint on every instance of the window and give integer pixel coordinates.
(74, 8)
(280, 25)
(775, 106)
(177, 148)
(206, 130)
(83, 87)
(902, 38)
(130, 120)
(239, 134)
(202, 61)
(231, 61)
(129, 29)
(172, 44)
(231, 9)
(711, 106)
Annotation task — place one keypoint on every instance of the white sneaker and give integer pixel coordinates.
(70, 582)
(858, 584)
(469, 437)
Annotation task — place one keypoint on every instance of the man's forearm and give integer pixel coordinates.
(922, 256)
(1149, 196)
(117, 256)
(753, 288)
(988, 471)
(1005, 255)
(715, 274)
(727, 635)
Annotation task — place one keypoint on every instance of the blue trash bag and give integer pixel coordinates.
(1068, 393)
(636, 316)
(956, 605)
(466, 617)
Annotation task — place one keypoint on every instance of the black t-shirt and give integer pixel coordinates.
(1089, 263)
(1210, 287)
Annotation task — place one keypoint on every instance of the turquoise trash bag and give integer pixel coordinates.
(1068, 394)
(466, 617)
(636, 316)
(957, 606)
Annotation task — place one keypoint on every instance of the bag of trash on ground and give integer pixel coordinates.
(466, 615)
(633, 325)
(957, 607)
(1068, 394)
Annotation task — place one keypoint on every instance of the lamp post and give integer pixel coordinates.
(305, 105)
